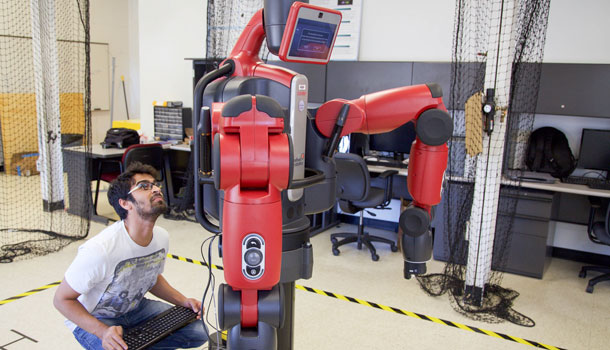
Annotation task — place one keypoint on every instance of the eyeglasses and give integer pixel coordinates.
(145, 185)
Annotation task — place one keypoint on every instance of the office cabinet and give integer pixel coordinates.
(525, 252)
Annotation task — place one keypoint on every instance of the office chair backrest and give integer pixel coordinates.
(607, 222)
(599, 232)
(151, 154)
(353, 179)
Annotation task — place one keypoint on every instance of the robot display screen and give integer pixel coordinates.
(312, 39)
(309, 34)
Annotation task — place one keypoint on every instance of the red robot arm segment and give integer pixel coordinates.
(245, 56)
(379, 112)
(427, 166)
(253, 166)
(246, 49)
(384, 111)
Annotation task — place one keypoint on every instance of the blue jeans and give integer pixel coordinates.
(187, 337)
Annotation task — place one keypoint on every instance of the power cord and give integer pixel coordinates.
(212, 283)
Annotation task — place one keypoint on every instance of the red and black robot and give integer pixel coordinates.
(262, 163)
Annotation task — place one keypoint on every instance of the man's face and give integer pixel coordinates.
(148, 200)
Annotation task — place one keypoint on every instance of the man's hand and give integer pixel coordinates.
(194, 305)
(66, 301)
(112, 339)
(164, 291)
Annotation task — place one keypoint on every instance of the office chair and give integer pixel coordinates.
(151, 154)
(355, 194)
(599, 232)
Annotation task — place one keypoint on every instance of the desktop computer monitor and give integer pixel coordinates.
(397, 142)
(595, 150)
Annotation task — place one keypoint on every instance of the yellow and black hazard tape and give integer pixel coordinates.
(51, 285)
(30, 292)
(400, 311)
(429, 318)
(196, 262)
(344, 298)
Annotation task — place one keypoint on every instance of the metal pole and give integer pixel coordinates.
(125, 95)
(112, 93)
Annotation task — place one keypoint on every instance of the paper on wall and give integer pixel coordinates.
(348, 39)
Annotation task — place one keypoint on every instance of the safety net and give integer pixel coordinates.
(44, 114)
(497, 45)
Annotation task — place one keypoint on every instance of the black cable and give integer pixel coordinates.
(211, 278)
(599, 174)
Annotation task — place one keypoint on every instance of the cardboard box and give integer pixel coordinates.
(24, 164)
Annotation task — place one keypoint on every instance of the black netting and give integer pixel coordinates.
(516, 69)
(44, 107)
(226, 21)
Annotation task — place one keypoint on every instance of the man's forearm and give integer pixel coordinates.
(162, 289)
(74, 311)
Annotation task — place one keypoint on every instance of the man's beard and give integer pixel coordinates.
(156, 209)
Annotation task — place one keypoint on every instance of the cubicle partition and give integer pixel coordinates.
(566, 89)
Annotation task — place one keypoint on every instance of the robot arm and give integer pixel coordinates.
(384, 111)
(254, 160)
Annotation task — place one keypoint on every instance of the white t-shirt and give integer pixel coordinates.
(112, 273)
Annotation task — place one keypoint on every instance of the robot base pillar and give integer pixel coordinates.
(286, 332)
(263, 337)
(270, 317)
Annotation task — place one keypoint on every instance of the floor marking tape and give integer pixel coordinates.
(401, 312)
(30, 292)
(344, 298)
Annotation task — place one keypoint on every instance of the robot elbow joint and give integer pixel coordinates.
(434, 127)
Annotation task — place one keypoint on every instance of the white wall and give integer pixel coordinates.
(109, 24)
(412, 30)
(160, 35)
(133, 78)
(168, 33)
(406, 30)
(578, 32)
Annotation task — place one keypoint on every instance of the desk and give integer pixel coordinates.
(552, 184)
(81, 202)
(97, 151)
(537, 227)
(570, 217)
(181, 147)
(381, 169)
(559, 186)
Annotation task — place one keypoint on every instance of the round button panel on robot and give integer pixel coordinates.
(253, 256)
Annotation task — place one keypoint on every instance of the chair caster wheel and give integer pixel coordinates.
(336, 251)
(589, 289)
(375, 257)
(582, 274)
(394, 248)
(333, 240)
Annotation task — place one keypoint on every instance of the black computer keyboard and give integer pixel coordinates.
(595, 183)
(154, 329)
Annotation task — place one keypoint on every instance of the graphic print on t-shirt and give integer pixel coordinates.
(132, 279)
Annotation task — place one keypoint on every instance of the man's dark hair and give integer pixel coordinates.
(120, 186)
